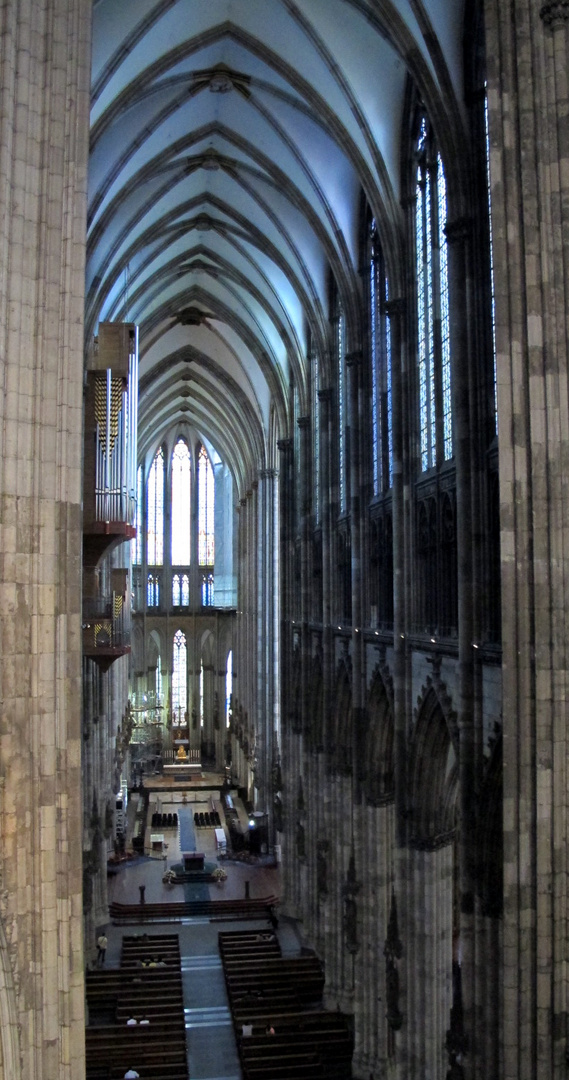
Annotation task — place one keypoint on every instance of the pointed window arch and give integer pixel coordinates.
(206, 505)
(228, 687)
(433, 323)
(179, 677)
(155, 511)
(181, 504)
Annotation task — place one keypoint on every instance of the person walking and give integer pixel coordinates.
(101, 949)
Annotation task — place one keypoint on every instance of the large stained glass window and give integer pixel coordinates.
(158, 682)
(181, 505)
(155, 512)
(342, 407)
(179, 684)
(382, 406)
(228, 687)
(136, 544)
(492, 289)
(315, 436)
(433, 324)
(206, 552)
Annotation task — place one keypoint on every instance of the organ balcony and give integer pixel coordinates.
(109, 471)
(106, 622)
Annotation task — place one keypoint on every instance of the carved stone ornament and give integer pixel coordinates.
(393, 951)
(278, 813)
(322, 868)
(350, 919)
(555, 13)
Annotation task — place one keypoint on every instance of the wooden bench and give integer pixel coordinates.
(157, 1049)
(174, 911)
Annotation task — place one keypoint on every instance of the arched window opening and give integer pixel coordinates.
(136, 543)
(206, 502)
(175, 590)
(228, 687)
(382, 404)
(207, 590)
(158, 685)
(314, 375)
(153, 590)
(185, 590)
(155, 512)
(491, 253)
(342, 407)
(179, 678)
(433, 323)
(181, 504)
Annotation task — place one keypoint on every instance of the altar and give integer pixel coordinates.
(182, 770)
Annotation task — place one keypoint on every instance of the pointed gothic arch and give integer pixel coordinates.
(433, 774)
(376, 755)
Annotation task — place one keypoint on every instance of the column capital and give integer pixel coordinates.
(354, 358)
(268, 474)
(555, 13)
(303, 423)
(285, 445)
(459, 230)
(395, 307)
(325, 396)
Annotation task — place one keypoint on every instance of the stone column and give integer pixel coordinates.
(44, 120)
(325, 399)
(266, 683)
(465, 428)
(527, 48)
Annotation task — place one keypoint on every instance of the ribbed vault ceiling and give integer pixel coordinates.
(230, 141)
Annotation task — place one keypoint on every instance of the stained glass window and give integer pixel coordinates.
(342, 409)
(382, 410)
(207, 590)
(158, 682)
(316, 436)
(433, 324)
(492, 291)
(179, 686)
(181, 505)
(175, 590)
(185, 590)
(136, 544)
(155, 512)
(206, 552)
(153, 590)
(228, 686)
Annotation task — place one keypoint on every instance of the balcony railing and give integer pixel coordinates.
(111, 408)
(106, 628)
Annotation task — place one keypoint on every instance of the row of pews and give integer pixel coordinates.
(268, 991)
(147, 987)
(216, 910)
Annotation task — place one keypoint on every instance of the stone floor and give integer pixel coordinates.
(212, 1050)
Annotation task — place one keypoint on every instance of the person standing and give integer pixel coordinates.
(101, 949)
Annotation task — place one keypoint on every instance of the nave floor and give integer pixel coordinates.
(212, 1049)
